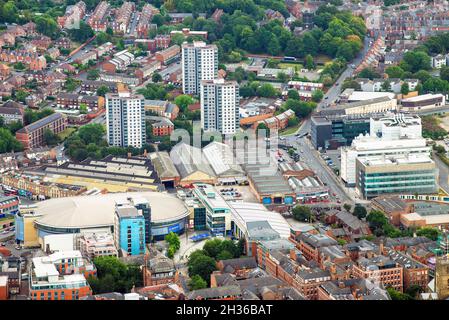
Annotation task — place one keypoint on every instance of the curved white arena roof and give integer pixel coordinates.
(98, 210)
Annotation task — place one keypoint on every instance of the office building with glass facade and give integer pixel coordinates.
(403, 174)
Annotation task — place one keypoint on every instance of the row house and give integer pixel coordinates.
(42, 43)
(93, 85)
(98, 21)
(86, 57)
(145, 20)
(6, 89)
(63, 42)
(74, 101)
(148, 69)
(16, 81)
(186, 32)
(16, 31)
(123, 17)
(278, 122)
(8, 39)
(46, 77)
(159, 42)
(38, 187)
(30, 28)
(34, 100)
(51, 89)
(168, 55)
(5, 71)
(32, 60)
(73, 15)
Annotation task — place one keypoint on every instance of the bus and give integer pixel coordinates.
(10, 191)
(286, 58)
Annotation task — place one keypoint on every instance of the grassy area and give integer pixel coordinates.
(290, 130)
(66, 133)
(286, 65)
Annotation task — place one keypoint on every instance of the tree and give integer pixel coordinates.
(93, 74)
(293, 94)
(267, 90)
(302, 213)
(183, 101)
(317, 95)
(102, 90)
(405, 90)
(196, 283)
(386, 86)
(396, 295)
(394, 72)
(414, 290)
(81, 34)
(359, 211)
(50, 138)
(8, 142)
(376, 219)
(444, 73)
(428, 232)
(414, 61)
(21, 95)
(83, 108)
(201, 264)
(347, 207)
(173, 240)
(309, 63)
(47, 26)
(114, 275)
(282, 76)
(156, 77)
(212, 247)
(369, 73)
(91, 133)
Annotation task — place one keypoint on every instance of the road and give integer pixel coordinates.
(312, 157)
(443, 174)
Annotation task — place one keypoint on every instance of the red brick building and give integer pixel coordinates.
(32, 136)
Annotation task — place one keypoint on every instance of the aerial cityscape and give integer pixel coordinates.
(224, 150)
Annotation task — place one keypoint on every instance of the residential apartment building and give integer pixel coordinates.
(219, 106)
(32, 136)
(381, 269)
(199, 62)
(414, 273)
(97, 244)
(129, 229)
(125, 119)
(60, 276)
